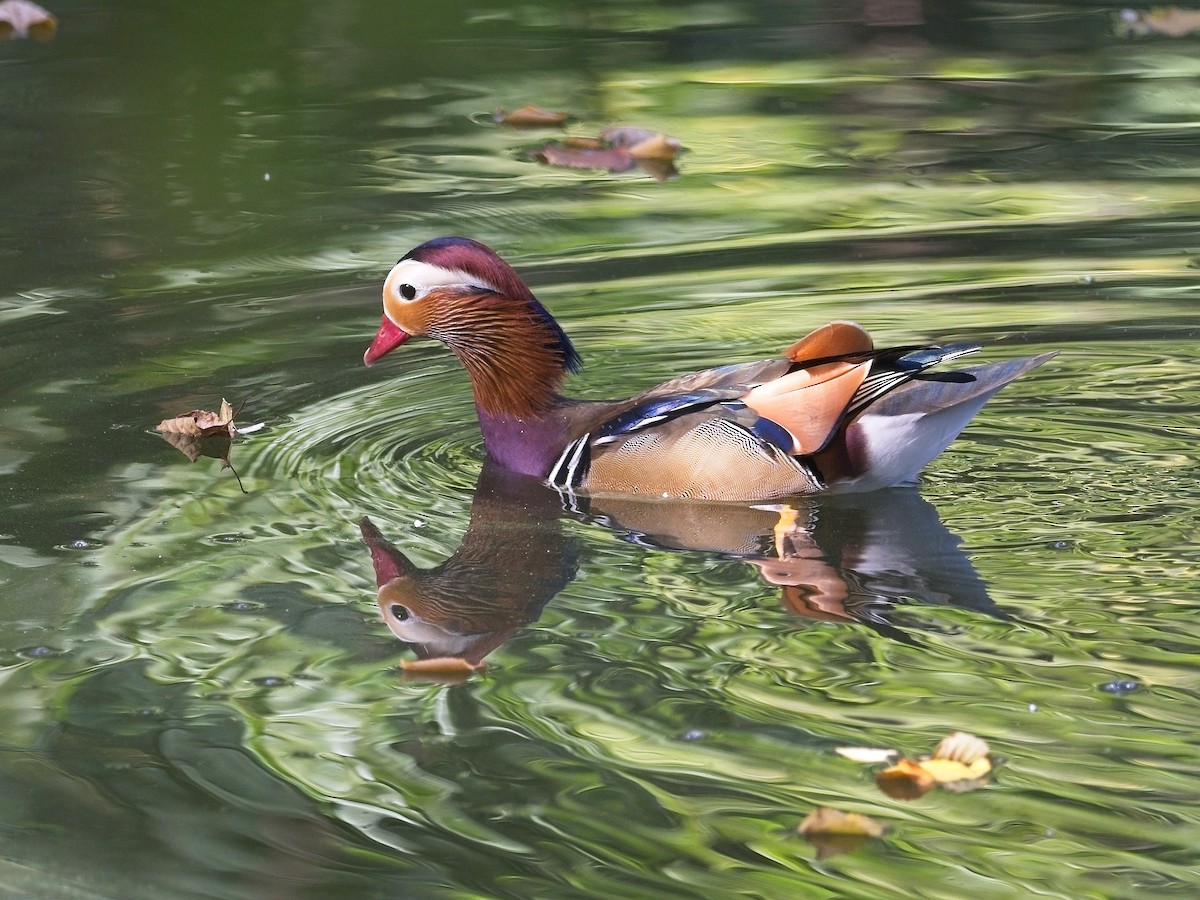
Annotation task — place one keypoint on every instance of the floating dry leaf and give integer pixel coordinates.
(202, 432)
(625, 135)
(530, 117)
(609, 159)
(617, 149)
(866, 755)
(1167, 20)
(906, 780)
(960, 763)
(579, 142)
(200, 422)
(832, 831)
(960, 746)
(658, 147)
(21, 18)
(826, 820)
(956, 776)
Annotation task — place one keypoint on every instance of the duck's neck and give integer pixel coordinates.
(517, 357)
(529, 445)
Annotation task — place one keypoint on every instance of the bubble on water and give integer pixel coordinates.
(79, 544)
(1120, 686)
(41, 651)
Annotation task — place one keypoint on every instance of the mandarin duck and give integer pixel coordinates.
(831, 414)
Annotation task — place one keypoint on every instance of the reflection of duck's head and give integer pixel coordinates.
(511, 561)
(431, 628)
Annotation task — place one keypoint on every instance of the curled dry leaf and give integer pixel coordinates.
(962, 747)
(906, 780)
(530, 117)
(865, 755)
(832, 831)
(21, 18)
(200, 422)
(202, 432)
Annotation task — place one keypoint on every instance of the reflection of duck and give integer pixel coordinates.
(841, 559)
(831, 413)
(847, 558)
(512, 560)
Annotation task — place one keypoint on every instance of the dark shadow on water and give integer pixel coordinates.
(852, 559)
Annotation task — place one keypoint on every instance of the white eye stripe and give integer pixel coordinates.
(423, 277)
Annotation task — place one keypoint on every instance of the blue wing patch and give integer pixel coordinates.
(655, 411)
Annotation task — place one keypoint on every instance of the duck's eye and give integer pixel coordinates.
(399, 613)
(407, 291)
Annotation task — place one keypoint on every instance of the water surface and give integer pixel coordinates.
(199, 694)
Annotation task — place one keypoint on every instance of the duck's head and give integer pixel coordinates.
(453, 288)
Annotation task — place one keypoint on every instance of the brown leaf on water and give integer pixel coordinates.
(905, 780)
(21, 18)
(202, 432)
(642, 142)
(608, 159)
(617, 149)
(579, 142)
(200, 422)
(530, 116)
(832, 831)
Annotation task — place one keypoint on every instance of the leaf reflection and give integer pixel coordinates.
(849, 559)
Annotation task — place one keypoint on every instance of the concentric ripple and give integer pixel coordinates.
(380, 447)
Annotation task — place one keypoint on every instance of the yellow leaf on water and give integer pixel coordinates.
(832, 831)
(826, 820)
(949, 771)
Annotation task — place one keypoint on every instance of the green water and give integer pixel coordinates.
(198, 696)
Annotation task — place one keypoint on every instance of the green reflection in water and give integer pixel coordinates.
(198, 694)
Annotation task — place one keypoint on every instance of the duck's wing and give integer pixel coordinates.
(758, 430)
(889, 441)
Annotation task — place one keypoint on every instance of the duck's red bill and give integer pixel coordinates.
(388, 339)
